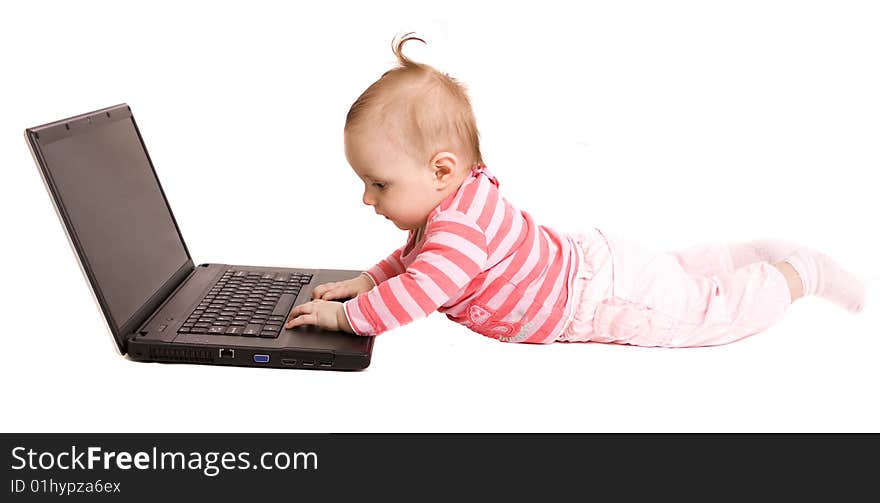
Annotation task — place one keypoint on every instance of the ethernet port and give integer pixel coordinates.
(227, 353)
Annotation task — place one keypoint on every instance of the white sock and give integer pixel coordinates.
(824, 277)
(761, 250)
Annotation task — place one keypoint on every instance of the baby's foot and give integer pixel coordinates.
(824, 277)
(761, 250)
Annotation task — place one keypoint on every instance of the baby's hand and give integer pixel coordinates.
(343, 289)
(325, 314)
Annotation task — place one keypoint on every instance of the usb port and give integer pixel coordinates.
(261, 358)
(308, 363)
(227, 353)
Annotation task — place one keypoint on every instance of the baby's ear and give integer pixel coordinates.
(445, 165)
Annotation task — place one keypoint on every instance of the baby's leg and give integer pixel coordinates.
(822, 276)
(761, 250)
(795, 285)
(658, 299)
(706, 259)
(709, 259)
(808, 273)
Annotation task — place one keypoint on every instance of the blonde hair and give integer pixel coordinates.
(428, 109)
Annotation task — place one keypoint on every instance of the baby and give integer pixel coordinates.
(412, 139)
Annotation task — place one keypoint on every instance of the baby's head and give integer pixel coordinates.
(412, 138)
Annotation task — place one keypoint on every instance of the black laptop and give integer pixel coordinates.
(159, 306)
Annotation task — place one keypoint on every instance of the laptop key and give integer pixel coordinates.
(253, 330)
(217, 330)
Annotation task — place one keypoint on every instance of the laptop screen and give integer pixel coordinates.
(106, 185)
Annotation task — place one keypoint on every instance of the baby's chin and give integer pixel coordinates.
(404, 227)
(397, 224)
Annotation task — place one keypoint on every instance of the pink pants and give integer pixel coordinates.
(627, 294)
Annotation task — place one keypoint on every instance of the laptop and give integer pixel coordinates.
(158, 305)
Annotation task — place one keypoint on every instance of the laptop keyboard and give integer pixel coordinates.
(246, 303)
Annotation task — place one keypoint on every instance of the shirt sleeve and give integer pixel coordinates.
(453, 254)
(387, 268)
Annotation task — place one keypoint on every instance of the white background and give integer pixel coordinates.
(671, 123)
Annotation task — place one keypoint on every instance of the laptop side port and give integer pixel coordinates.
(261, 358)
(308, 359)
(227, 353)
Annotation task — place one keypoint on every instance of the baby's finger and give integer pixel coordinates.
(343, 292)
(305, 319)
(320, 290)
(301, 309)
(333, 293)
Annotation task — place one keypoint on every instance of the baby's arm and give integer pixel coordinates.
(322, 312)
(387, 268)
(453, 254)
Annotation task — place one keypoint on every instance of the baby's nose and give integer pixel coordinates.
(368, 200)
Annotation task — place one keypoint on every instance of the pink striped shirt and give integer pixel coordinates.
(483, 263)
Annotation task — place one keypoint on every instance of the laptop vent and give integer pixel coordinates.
(182, 355)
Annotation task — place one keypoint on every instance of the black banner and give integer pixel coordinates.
(141, 467)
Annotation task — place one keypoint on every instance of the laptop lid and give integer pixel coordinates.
(105, 190)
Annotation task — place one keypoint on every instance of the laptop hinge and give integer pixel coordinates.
(145, 314)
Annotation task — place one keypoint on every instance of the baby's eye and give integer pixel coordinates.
(379, 185)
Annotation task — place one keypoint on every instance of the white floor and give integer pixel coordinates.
(815, 371)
